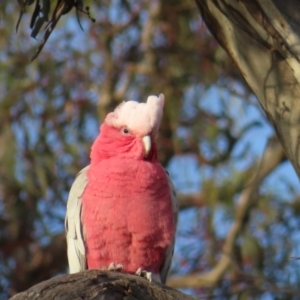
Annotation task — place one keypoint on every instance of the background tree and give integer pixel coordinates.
(239, 201)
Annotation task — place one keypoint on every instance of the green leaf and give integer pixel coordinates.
(35, 14)
(46, 9)
(39, 23)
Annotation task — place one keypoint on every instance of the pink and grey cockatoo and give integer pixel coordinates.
(122, 208)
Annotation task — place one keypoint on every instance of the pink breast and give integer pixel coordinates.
(127, 215)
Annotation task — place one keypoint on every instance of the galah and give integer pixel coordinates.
(122, 208)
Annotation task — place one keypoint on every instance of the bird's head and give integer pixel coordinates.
(130, 130)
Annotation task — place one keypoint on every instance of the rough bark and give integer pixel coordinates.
(261, 36)
(94, 284)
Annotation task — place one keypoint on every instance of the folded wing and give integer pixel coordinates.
(74, 228)
(169, 253)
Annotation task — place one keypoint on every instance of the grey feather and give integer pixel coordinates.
(74, 228)
(164, 270)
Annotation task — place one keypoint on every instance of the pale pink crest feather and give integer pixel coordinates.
(141, 118)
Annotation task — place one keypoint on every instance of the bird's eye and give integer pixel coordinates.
(125, 131)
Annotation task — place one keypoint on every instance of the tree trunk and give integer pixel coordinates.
(94, 284)
(262, 38)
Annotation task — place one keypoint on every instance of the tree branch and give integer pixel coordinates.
(190, 200)
(261, 36)
(104, 285)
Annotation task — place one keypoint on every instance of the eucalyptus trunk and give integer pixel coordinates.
(262, 38)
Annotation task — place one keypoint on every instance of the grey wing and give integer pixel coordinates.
(74, 229)
(169, 253)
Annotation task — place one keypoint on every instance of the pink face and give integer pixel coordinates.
(123, 131)
(114, 142)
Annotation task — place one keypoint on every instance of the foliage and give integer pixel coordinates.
(42, 12)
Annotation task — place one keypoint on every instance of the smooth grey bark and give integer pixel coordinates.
(262, 38)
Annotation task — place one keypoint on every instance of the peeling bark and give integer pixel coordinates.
(261, 36)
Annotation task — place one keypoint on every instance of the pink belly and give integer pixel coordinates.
(127, 216)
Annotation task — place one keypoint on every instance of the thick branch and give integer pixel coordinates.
(261, 36)
(94, 284)
(272, 157)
